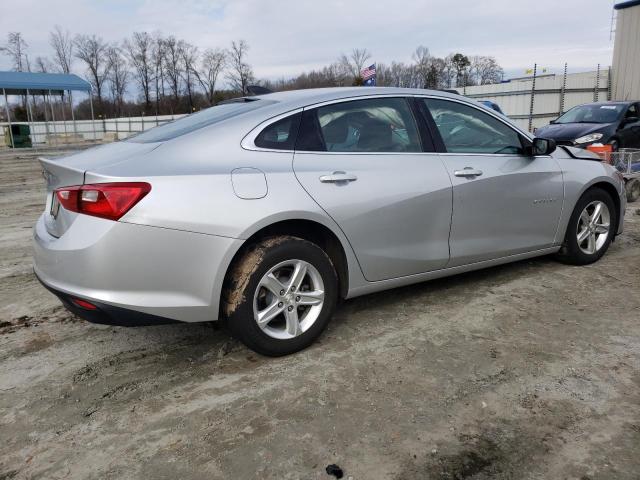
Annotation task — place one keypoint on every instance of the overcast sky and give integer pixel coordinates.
(289, 36)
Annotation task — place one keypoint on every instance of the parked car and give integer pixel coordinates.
(614, 123)
(492, 105)
(267, 210)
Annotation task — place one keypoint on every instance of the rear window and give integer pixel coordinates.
(198, 120)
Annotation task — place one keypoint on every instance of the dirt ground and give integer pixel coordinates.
(526, 371)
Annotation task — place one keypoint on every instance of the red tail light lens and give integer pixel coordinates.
(104, 200)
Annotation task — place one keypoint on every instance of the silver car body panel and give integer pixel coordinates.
(212, 189)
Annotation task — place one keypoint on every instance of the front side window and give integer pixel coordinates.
(632, 112)
(465, 129)
(372, 125)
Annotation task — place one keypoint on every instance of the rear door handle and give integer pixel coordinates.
(337, 177)
(468, 172)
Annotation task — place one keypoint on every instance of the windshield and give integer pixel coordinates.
(198, 120)
(593, 113)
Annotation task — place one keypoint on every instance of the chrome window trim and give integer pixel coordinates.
(248, 141)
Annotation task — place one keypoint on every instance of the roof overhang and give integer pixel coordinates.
(18, 83)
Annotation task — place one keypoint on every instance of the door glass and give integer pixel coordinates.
(466, 129)
(372, 125)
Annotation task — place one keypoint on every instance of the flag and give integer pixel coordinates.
(369, 76)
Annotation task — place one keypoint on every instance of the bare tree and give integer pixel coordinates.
(189, 56)
(354, 63)
(211, 64)
(92, 51)
(140, 52)
(485, 70)
(240, 74)
(118, 76)
(16, 49)
(62, 46)
(43, 65)
(422, 59)
(173, 66)
(158, 61)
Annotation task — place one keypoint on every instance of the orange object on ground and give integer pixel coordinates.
(603, 151)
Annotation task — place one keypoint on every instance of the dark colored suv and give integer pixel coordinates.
(614, 123)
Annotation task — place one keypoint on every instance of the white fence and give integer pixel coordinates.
(99, 130)
(531, 106)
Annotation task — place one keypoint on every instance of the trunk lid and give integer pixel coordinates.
(71, 170)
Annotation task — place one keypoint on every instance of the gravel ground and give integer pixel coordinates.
(525, 371)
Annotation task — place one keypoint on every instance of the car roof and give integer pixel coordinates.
(611, 102)
(299, 98)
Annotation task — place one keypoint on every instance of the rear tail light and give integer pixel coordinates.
(104, 200)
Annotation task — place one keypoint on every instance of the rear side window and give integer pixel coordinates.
(198, 120)
(280, 135)
(371, 125)
(465, 129)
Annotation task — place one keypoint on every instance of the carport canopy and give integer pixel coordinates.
(21, 83)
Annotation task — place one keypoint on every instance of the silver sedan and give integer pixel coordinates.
(265, 211)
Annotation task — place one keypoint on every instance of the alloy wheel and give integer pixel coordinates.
(593, 227)
(288, 299)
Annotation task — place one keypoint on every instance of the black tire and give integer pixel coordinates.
(243, 282)
(632, 188)
(571, 252)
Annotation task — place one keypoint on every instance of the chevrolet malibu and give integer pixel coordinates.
(265, 211)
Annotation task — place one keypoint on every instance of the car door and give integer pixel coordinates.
(629, 132)
(362, 161)
(504, 202)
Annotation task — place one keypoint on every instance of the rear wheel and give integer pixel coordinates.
(591, 228)
(280, 296)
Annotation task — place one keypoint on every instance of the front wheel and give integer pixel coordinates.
(591, 228)
(280, 296)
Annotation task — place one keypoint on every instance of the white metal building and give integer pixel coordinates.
(626, 52)
(530, 106)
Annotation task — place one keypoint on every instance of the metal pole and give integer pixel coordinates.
(6, 107)
(564, 86)
(533, 94)
(53, 119)
(64, 116)
(93, 121)
(596, 89)
(609, 79)
(31, 123)
(73, 115)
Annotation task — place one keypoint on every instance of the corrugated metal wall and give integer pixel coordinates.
(514, 97)
(626, 55)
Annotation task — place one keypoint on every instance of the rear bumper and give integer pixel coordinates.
(153, 274)
(107, 314)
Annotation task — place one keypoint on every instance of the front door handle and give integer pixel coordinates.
(468, 172)
(337, 177)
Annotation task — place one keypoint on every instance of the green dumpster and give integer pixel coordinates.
(21, 136)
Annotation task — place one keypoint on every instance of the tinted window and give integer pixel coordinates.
(280, 135)
(198, 120)
(373, 125)
(593, 113)
(632, 112)
(465, 129)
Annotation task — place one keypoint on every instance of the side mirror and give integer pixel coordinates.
(542, 146)
(629, 120)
